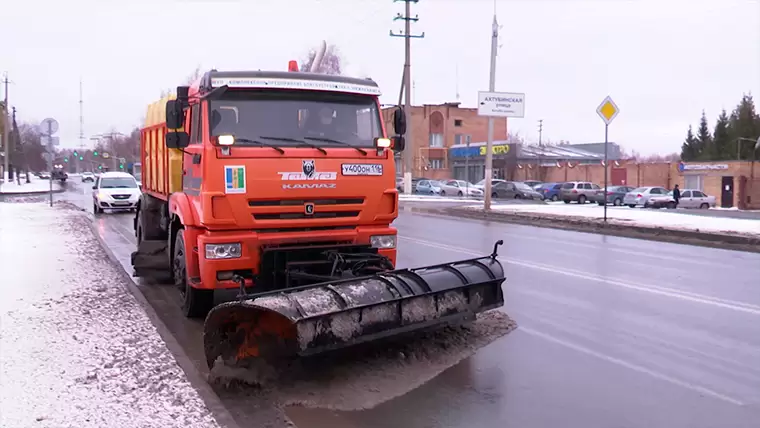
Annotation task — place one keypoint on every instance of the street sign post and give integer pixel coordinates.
(608, 111)
(496, 104)
(48, 128)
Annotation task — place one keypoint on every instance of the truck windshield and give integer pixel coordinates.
(290, 118)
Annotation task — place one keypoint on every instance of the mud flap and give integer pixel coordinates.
(321, 317)
(151, 259)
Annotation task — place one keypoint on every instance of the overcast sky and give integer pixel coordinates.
(662, 61)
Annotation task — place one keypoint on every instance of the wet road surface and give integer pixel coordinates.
(613, 332)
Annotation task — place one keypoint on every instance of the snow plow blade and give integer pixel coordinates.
(308, 320)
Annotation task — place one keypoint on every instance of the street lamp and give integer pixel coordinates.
(741, 140)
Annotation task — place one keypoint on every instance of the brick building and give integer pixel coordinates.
(435, 129)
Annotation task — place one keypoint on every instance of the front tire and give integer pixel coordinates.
(196, 303)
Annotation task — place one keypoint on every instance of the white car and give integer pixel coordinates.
(115, 191)
(640, 195)
(459, 188)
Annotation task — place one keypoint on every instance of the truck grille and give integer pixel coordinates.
(293, 209)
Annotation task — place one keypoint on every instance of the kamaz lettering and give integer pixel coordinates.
(309, 186)
(300, 176)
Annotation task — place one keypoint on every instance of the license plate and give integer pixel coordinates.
(362, 169)
(121, 204)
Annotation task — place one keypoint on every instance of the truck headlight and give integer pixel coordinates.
(223, 251)
(383, 241)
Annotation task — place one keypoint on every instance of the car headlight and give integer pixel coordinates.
(383, 241)
(103, 195)
(223, 251)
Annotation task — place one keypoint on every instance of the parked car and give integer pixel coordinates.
(640, 195)
(690, 198)
(482, 183)
(549, 191)
(88, 176)
(578, 191)
(459, 188)
(428, 187)
(399, 183)
(533, 183)
(615, 195)
(514, 190)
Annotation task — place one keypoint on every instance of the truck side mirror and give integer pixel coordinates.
(175, 114)
(399, 143)
(177, 140)
(399, 121)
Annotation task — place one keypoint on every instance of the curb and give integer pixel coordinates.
(46, 192)
(687, 237)
(197, 380)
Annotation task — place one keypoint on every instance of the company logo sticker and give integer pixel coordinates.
(234, 179)
(308, 172)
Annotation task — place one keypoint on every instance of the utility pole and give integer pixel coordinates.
(491, 88)
(540, 149)
(6, 133)
(81, 126)
(408, 154)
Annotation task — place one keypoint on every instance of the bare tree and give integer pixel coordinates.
(331, 62)
(195, 75)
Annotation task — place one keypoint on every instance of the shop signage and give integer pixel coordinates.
(496, 149)
(702, 167)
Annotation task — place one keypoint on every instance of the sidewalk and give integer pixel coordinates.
(77, 348)
(36, 185)
(634, 216)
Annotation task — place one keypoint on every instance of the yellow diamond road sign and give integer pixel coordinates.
(607, 110)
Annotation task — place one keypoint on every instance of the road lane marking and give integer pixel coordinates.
(631, 252)
(653, 289)
(631, 366)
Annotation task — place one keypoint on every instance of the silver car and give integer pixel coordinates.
(640, 195)
(459, 188)
(690, 198)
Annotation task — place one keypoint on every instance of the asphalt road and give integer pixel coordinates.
(613, 332)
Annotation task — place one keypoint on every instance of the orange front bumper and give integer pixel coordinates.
(252, 242)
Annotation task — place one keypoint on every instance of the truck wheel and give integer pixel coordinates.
(148, 222)
(196, 303)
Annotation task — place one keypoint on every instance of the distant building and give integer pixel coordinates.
(437, 128)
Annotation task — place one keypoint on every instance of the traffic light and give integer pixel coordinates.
(95, 153)
(66, 160)
(100, 166)
(81, 158)
(121, 166)
(76, 154)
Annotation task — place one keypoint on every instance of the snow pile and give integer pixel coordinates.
(35, 185)
(77, 349)
(638, 216)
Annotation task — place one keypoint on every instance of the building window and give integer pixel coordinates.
(461, 139)
(436, 163)
(458, 122)
(436, 140)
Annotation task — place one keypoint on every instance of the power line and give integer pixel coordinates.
(406, 86)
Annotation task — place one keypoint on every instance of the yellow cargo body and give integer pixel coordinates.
(162, 167)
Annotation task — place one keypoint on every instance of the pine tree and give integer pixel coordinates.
(720, 149)
(744, 123)
(704, 139)
(689, 147)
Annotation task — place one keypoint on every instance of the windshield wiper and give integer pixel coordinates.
(343, 143)
(245, 140)
(295, 140)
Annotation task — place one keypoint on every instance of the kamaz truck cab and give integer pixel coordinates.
(275, 192)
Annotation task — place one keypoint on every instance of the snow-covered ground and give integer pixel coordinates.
(76, 348)
(638, 216)
(36, 185)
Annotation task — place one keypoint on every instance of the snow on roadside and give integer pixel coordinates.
(35, 185)
(77, 348)
(638, 217)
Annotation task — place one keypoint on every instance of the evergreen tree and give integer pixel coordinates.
(689, 147)
(720, 149)
(704, 139)
(744, 123)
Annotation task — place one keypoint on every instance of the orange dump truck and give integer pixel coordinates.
(268, 199)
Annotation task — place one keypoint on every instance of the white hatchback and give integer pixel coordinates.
(115, 191)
